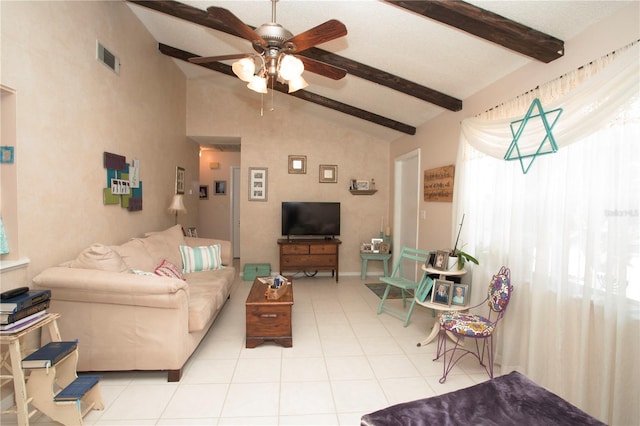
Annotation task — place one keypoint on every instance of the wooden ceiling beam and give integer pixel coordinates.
(489, 26)
(201, 17)
(300, 94)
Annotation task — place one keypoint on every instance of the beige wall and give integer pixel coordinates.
(438, 140)
(268, 141)
(71, 108)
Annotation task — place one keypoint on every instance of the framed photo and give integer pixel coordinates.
(6, 154)
(375, 242)
(430, 260)
(441, 293)
(298, 164)
(257, 184)
(460, 295)
(204, 192)
(179, 180)
(192, 232)
(362, 185)
(328, 173)
(442, 257)
(385, 248)
(219, 187)
(366, 248)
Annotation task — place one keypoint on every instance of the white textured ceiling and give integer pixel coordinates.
(386, 37)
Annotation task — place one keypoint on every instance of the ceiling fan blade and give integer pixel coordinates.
(234, 23)
(322, 69)
(207, 59)
(328, 31)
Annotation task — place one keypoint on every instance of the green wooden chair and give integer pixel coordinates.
(403, 276)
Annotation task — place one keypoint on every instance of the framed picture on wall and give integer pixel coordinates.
(220, 187)
(258, 183)
(328, 173)
(179, 180)
(298, 164)
(204, 192)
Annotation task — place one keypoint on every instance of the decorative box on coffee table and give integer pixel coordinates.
(268, 320)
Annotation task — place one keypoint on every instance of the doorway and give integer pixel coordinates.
(235, 211)
(406, 201)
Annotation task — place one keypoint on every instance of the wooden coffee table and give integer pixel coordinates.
(268, 320)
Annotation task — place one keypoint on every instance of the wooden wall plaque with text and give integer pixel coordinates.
(438, 184)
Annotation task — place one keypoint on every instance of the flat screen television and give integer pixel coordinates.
(310, 219)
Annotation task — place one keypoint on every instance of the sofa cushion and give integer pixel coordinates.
(198, 259)
(101, 257)
(208, 291)
(135, 255)
(165, 245)
(168, 269)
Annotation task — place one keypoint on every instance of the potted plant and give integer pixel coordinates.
(461, 256)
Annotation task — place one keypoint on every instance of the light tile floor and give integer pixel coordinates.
(345, 361)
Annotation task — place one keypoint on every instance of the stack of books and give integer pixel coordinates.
(24, 310)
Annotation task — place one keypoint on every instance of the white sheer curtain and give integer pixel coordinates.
(569, 230)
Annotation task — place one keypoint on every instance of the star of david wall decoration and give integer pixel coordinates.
(547, 145)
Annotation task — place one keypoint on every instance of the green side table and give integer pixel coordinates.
(366, 257)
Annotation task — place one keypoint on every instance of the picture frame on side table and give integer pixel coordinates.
(298, 164)
(441, 293)
(328, 173)
(442, 257)
(179, 180)
(460, 295)
(375, 242)
(258, 183)
(366, 248)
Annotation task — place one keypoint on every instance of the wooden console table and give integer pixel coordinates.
(309, 255)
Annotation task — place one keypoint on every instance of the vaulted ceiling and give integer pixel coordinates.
(406, 61)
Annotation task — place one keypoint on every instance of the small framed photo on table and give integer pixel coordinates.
(375, 243)
(442, 257)
(460, 295)
(441, 293)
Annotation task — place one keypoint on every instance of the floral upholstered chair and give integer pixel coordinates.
(460, 325)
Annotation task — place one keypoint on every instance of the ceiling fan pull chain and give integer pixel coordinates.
(273, 101)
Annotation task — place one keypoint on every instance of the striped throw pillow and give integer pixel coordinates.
(168, 269)
(196, 259)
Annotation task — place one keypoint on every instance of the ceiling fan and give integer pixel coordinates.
(276, 48)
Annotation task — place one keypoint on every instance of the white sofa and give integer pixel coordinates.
(125, 316)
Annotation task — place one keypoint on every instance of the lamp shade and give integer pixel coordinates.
(291, 67)
(177, 205)
(297, 83)
(244, 69)
(258, 84)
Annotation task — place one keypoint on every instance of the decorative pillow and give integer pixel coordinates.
(168, 269)
(100, 257)
(165, 245)
(135, 255)
(139, 272)
(196, 259)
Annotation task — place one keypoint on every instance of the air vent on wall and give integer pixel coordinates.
(107, 58)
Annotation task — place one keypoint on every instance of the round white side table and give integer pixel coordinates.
(437, 306)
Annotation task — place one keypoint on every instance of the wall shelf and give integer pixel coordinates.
(363, 191)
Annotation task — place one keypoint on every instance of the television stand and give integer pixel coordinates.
(309, 255)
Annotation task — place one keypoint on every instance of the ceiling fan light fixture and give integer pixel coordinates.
(290, 67)
(297, 83)
(245, 69)
(258, 84)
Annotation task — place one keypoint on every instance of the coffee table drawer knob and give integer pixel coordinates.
(268, 316)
